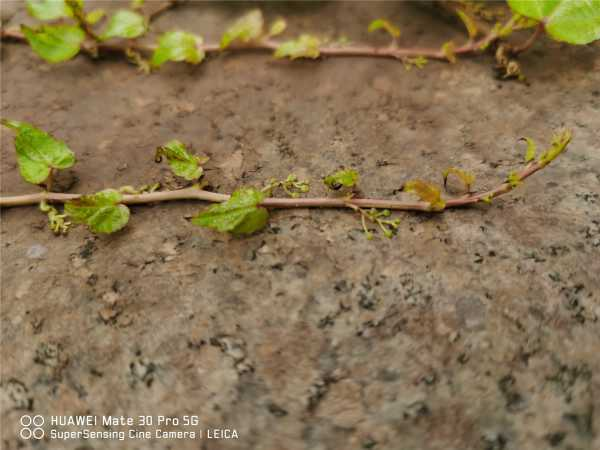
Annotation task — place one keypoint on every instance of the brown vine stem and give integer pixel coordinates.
(153, 15)
(193, 193)
(539, 29)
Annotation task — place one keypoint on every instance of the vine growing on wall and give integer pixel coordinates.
(246, 210)
(68, 29)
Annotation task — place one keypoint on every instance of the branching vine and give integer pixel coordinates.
(69, 29)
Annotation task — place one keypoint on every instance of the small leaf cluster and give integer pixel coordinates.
(342, 178)
(178, 46)
(380, 217)
(250, 29)
(466, 178)
(559, 143)
(394, 32)
(383, 24)
(292, 186)
(38, 152)
(58, 42)
(181, 162)
(102, 212)
(241, 214)
(56, 221)
(426, 192)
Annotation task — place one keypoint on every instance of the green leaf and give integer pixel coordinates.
(382, 24)
(38, 152)
(560, 141)
(419, 62)
(54, 43)
(48, 9)
(94, 16)
(306, 46)
(277, 27)
(177, 46)
(247, 28)
(124, 24)
(467, 178)
(238, 215)
(487, 198)
(469, 23)
(182, 163)
(427, 192)
(101, 212)
(448, 51)
(138, 59)
(346, 178)
(572, 21)
(137, 4)
(531, 149)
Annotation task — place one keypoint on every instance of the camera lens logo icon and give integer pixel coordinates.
(32, 427)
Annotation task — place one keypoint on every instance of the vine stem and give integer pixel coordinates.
(193, 193)
(269, 45)
(390, 51)
(153, 15)
(539, 29)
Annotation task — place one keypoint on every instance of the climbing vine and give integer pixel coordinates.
(68, 29)
(246, 210)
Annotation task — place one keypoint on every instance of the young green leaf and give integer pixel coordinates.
(504, 30)
(182, 163)
(138, 59)
(241, 214)
(346, 178)
(448, 51)
(419, 62)
(124, 24)
(101, 212)
(305, 46)
(427, 192)
(531, 149)
(467, 178)
(469, 23)
(54, 43)
(513, 179)
(382, 24)
(560, 141)
(38, 152)
(572, 21)
(177, 46)
(277, 27)
(247, 28)
(291, 185)
(56, 221)
(94, 16)
(487, 199)
(48, 9)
